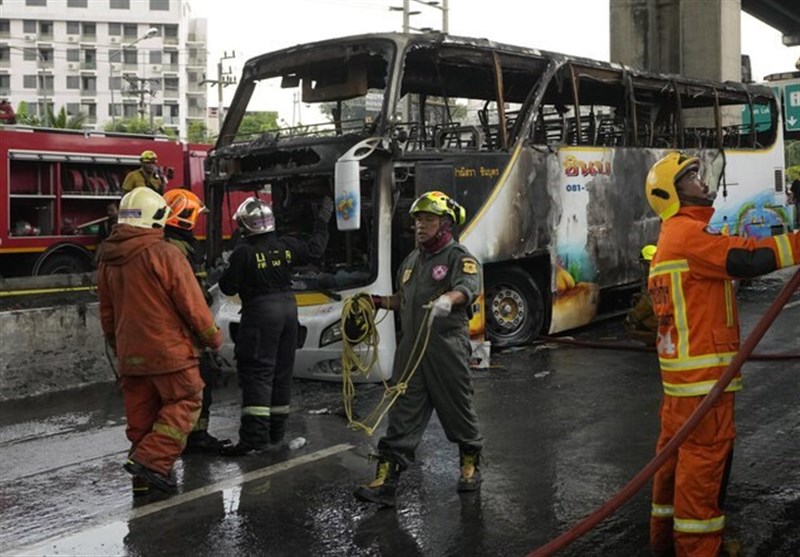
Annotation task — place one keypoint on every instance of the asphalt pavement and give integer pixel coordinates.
(565, 427)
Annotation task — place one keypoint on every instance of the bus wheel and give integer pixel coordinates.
(514, 308)
(64, 264)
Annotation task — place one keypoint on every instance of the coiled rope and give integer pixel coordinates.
(357, 360)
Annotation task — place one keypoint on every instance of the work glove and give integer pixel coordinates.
(326, 210)
(441, 307)
(217, 361)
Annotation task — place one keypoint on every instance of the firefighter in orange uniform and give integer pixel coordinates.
(154, 316)
(698, 336)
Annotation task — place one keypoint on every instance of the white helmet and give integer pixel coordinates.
(254, 217)
(144, 208)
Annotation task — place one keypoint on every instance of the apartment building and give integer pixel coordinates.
(108, 59)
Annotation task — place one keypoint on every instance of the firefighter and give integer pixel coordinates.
(641, 322)
(440, 274)
(259, 271)
(698, 336)
(154, 317)
(185, 208)
(148, 175)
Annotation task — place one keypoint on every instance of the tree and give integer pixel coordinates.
(256, 123)
(63, 121)
(139, 125)
(24, 118)
(198, 133)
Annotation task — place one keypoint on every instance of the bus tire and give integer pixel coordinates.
(515, 309)
(64, 264)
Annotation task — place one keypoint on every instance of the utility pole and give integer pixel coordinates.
(140, 86)
(223, 80)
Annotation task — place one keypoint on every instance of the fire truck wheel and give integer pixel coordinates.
(514, 307)
(64, 263)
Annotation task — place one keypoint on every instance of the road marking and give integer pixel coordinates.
(140, 512)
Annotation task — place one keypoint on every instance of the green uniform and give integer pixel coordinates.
(442, 381)
(138, 179)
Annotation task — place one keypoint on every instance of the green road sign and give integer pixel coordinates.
(761, 113)
(791, 107)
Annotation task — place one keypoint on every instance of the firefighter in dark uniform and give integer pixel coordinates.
(437, 283)
(259, 271)
(185, 208)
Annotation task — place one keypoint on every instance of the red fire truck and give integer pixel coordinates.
(55, 186)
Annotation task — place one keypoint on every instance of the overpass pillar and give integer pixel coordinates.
(687, 37)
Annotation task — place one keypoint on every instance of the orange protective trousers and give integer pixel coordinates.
(692, 480)
(161, 411)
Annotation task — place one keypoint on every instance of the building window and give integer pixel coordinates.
(28, 26)
(73, 82)
(77, 3)
(129, 110)
(115, 83)
(5, 55)
(46, 28)
(170, 31)
(170, 84)
(156, 110)
(159, 5)
(29, 82)
(5, 83)
(47, 82)
(5, 27)
(130, 30)
(155, 56)
(88, 84)
(73, 55)
(120, 4)
(115, 29)
(36, 2)
(130, 56)
(46, 56)
(29, 54)
(114, 109)
(90, 109)
(88, 29)
(73, 28)
(73, 109)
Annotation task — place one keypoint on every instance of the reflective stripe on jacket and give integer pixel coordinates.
(693, 297)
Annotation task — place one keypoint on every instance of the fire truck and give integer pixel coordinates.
(56, 185)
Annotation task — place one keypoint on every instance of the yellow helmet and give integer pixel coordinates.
(648, 252)
(144, 208)
(185, 207)
(660, 184)
(438, 203)
(148, 156)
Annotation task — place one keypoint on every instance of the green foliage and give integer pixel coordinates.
(256, 123)
(139, 125)
(24, 118)
(198, 133)
(63, 121)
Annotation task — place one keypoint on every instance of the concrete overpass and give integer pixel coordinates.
(693, 38)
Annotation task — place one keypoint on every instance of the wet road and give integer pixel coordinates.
(566, 428)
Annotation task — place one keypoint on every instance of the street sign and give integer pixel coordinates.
(761, 114)
(791, 107)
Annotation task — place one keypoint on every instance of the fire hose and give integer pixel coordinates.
(671, 447)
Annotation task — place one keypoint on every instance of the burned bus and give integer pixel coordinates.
(548, 154)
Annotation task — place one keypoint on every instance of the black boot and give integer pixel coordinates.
(139, 486)
(241, 448)
(382, 489)
(203, 442)
(277, 428)
(470, 479)
(155, 479)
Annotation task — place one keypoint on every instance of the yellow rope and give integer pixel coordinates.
(361, 305)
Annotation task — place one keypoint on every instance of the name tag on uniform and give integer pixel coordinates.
(469, 266)
(406, 275)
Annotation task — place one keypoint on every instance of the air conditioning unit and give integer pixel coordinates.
(73, 66)
(116, 67)
(156, 67)
(72, 38)
(114, 39)
(30, 37)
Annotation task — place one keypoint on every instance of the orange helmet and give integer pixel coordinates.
(185, 208)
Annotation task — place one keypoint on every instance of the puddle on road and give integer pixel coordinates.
(103, 540)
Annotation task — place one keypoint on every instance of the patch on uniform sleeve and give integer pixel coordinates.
(406, 276)
(439, 272)
(469, 266)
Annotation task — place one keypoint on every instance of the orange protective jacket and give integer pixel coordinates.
(152, 310)
(693, 297)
